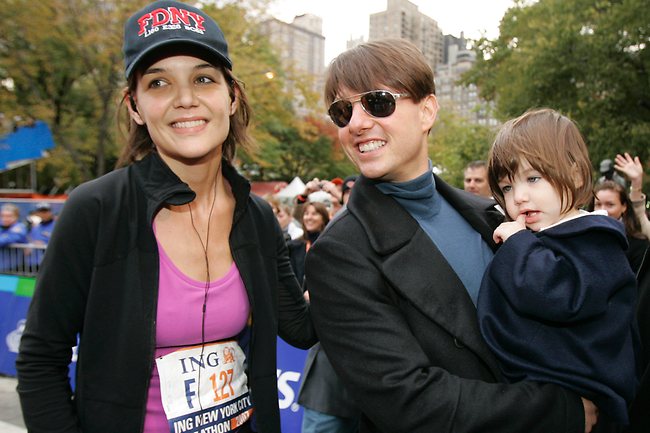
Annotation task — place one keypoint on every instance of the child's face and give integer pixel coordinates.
(532, 195)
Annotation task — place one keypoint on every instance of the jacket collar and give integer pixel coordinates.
(413, 265)
(377, 213)
(162, 186)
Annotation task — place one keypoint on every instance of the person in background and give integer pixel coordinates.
(608, 172)
(557, 302)
(394, 278)
(612, 197)
(315, 217)
(475, 179)
(12, 231)
(327, 407)
(328, 192)
(283, 213)
(346, 188)
(173, 276)
(41, 232)
(633, 170)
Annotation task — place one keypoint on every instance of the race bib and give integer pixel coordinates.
(205, 390)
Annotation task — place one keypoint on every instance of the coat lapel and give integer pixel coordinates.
(414, 266)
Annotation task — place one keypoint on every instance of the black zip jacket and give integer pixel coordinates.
(99, 280)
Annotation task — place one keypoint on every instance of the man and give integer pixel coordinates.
(394, 279)
(348, 183)
(12, 231)
(40, 233)
(475, 180)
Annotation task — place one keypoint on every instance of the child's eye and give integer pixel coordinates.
(506, 188)
(534, 179)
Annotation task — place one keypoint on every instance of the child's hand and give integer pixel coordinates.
(505, 230)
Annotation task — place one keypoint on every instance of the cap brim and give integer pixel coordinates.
(154, 51)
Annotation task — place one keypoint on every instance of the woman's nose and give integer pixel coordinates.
(185, 96)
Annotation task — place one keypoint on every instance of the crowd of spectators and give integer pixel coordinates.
(22, 243)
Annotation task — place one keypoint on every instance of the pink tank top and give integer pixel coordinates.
(180, 301)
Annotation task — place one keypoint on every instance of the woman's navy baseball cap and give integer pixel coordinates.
(170, 23)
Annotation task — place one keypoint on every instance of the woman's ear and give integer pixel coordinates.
(133, 109)
(234, 99)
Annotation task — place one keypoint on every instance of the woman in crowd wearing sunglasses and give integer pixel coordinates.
(394, 279)
(174, 277)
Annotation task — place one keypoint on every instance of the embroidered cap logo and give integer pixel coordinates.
(170, 18)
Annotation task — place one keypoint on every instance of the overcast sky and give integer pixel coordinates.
(345, 19)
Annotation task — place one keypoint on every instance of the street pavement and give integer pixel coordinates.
(11, 419)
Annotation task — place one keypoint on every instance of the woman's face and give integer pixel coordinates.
(185, 104)
(312, 221)
(283, 217)
(610, 200)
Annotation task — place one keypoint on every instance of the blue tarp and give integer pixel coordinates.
(25, 144)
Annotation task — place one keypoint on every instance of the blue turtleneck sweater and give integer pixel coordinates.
(461, 245)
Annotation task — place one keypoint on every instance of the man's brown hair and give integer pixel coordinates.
(395, 63)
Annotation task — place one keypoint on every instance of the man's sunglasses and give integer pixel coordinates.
(377, 103)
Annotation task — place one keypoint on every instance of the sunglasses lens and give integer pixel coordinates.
(379, 103)
(341, 113)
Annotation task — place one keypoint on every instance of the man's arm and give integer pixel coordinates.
(398, 386)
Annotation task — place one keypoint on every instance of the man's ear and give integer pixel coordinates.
(429, 111)
(133, 109)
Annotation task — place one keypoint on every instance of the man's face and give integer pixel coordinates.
(392, 148)
(476, 181)
(7, 218)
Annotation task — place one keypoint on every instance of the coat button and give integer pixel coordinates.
(458, 344)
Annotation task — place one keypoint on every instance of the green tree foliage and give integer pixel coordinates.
(589, 59)
(454, 142)
(64, 61)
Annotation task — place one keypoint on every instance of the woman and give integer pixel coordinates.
(612, 197)
(168, 259)
(633, 170)
(315, 217)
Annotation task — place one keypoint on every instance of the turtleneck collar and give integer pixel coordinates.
(419, 192)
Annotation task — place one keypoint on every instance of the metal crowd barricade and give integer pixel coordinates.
(21, 259)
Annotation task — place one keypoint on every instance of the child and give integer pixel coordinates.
(557, 302)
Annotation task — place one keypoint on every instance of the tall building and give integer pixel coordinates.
(402, 19)
(460, 99)
(300, 45)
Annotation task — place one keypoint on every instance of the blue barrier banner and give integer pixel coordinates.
(15, 296)
(290, 364)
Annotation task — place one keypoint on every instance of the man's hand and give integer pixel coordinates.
(505, 230)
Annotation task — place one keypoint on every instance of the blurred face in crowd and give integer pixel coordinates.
(283, 217)
(312, 220)
(7, 218)
(476, 181)
(610, 200)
